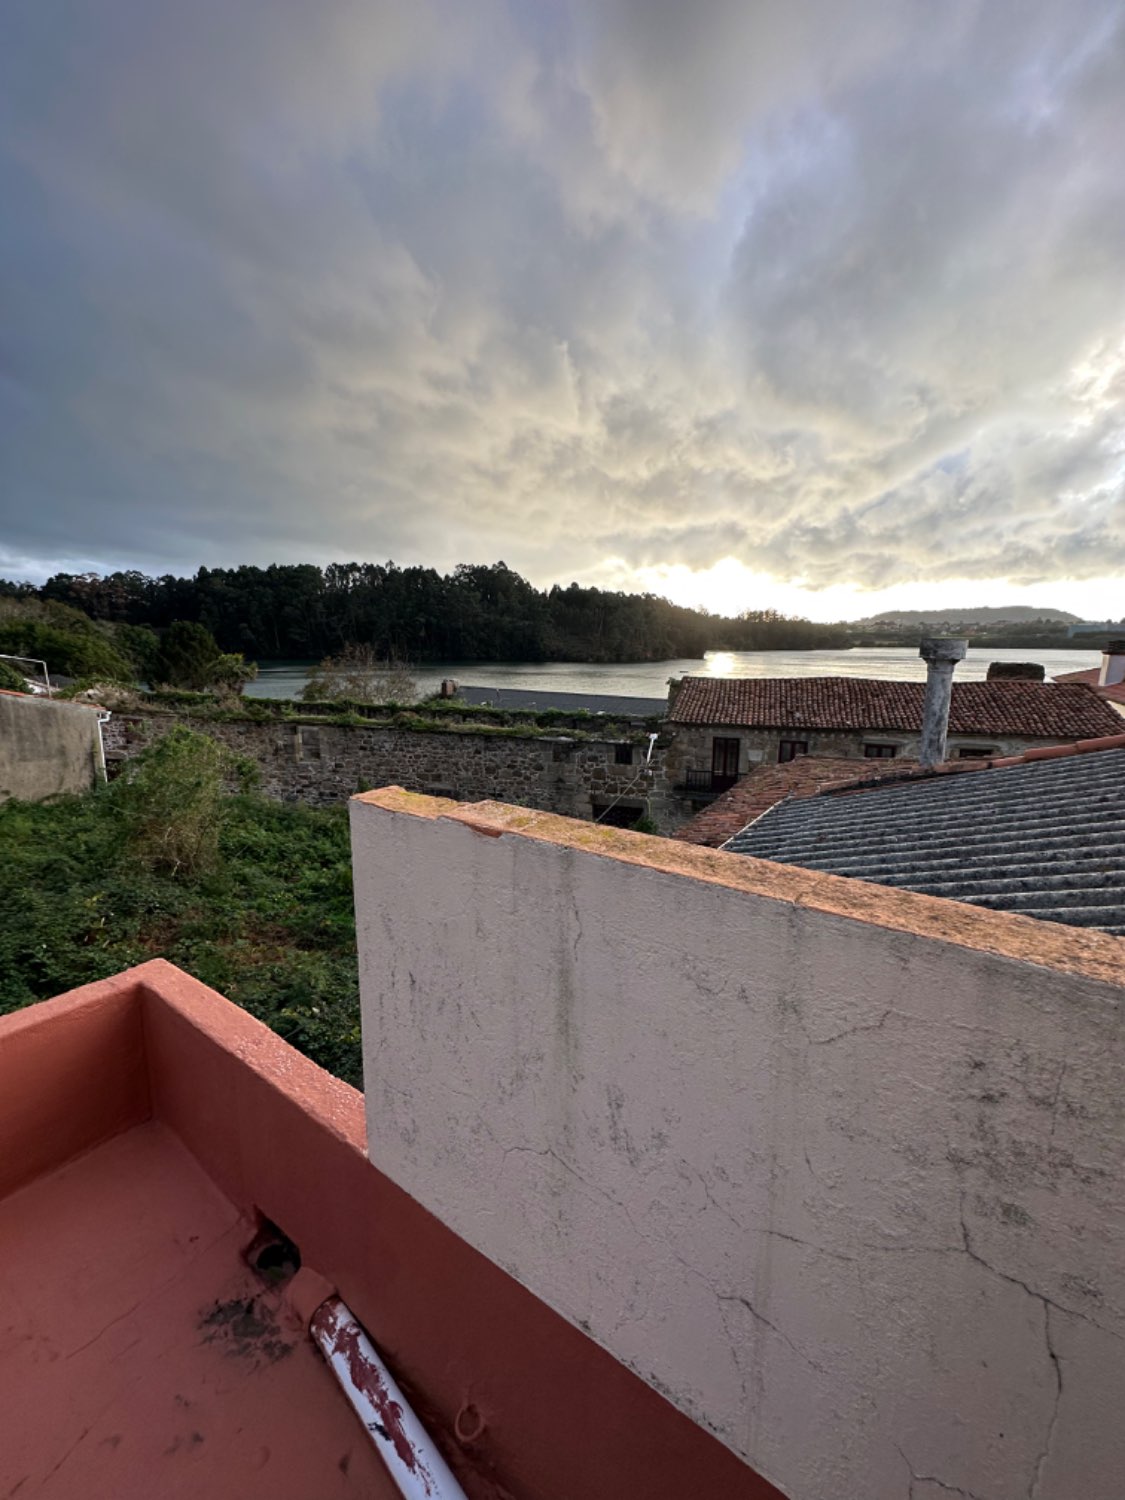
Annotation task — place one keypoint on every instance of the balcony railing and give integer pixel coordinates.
(706, 783)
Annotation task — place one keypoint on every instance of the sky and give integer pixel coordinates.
(803, 305)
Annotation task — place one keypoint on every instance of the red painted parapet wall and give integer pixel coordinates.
(522, 1403)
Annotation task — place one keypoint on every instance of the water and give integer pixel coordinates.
(649, 679)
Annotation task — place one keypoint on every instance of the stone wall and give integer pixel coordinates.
(692, 744)
(321, 763)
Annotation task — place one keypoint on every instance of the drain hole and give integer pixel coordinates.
(272, 1253)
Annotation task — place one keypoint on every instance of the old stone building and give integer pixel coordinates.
(721, 728)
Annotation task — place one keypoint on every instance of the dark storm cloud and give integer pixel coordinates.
(833, 290)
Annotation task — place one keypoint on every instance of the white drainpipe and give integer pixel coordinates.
(104, 717)
(404, 1445)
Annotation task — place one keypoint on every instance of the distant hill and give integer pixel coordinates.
(1003, 614)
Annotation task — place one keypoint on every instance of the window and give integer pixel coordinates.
(790, 749)
(724, 756)
(308, 743)
(616, 814)
(880, 752)
(623, 755)
(971, 752)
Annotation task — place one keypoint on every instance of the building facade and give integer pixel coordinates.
(722, 728)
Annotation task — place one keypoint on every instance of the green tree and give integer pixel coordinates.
(189, 657)
(140, 645)
(69, 642)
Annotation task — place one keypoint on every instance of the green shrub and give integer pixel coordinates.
(10, 680)
(169, 798)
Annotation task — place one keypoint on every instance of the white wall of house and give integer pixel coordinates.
(840, 1170)
(47, 748)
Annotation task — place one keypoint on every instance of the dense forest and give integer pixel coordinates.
(476, 613)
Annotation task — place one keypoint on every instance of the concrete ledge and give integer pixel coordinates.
(1070, 950)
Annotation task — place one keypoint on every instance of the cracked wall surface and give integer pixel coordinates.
(849, 1194)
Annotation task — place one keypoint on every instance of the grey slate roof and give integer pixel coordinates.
(1044, 837)
(594, 703)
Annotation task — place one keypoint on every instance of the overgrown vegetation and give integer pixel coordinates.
(359, 675)
(11, 681)
(249, 895)
(433, 716)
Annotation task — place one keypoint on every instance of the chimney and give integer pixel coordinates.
(941, 654)
(1113, 664)
(1015, 671)
(449, 688)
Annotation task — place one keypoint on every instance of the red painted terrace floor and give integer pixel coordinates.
(140, 1355)
(147, 1126)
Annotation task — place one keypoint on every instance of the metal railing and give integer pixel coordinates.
(35, 662)
(707, 781)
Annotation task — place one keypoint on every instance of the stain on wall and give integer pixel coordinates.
(850, 1195)
(47, 748)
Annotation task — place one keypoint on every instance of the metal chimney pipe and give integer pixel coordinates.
(941, 654)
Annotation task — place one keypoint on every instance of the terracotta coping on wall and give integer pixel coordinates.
(144, 1123)
(1070, 950)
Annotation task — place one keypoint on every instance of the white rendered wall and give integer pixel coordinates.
(849, 1194)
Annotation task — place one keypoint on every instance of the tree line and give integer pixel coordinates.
(475, 613)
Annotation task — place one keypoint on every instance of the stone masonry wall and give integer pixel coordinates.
(692, 745)
(322, 764)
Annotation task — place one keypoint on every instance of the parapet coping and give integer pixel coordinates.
(1068, 950)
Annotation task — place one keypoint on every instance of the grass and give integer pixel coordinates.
(268, 921)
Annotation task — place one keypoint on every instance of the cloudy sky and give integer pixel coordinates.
(805, 303)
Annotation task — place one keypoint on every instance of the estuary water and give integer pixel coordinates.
(649, 679)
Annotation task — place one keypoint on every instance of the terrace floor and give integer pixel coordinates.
(140, 1354)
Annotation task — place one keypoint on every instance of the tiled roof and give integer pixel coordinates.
(1114, 691)
(1042, 833)
(1067, 711)
(764, 786)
